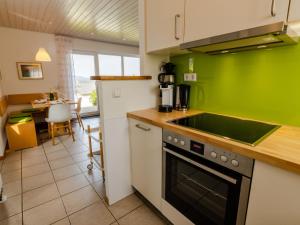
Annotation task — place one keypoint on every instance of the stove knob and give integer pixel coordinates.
(235, 163)
(175, 140)
(169, 138)
(213, 155)
(182, 143)
(224, 158)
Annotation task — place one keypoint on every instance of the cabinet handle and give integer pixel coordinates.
(143, 128)
(273, 8)
(177, 16)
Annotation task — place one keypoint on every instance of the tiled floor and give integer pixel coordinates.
(51, 185)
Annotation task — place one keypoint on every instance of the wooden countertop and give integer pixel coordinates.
(121, 78)
(281, 148)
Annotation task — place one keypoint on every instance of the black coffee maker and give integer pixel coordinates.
(166, 87)
(182, 97)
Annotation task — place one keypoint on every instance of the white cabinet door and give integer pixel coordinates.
(146, 160)
(294, 11)
(274, 196)
(164, 24)
(205, 19)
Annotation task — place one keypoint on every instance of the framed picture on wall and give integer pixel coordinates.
(30, 71)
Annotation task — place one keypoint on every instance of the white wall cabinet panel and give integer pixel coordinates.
(205, 19)
(274, 197)
(294, 11)
(146, 160)
(164, 24)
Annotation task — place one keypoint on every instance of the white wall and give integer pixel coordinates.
(21, 46)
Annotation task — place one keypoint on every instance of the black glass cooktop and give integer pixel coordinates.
(245, 131)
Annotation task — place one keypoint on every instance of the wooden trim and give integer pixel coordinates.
(21, 99)
(280, 149)
(3, 105)
(121, 77)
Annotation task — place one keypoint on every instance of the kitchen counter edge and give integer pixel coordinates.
(280, 149)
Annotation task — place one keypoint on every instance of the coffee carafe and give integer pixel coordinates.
(182, 97)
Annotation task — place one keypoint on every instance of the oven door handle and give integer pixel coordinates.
(207, 169)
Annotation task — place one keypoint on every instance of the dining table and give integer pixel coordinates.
(44, 104)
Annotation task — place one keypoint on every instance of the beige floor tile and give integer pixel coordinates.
(15, 156)
(11, 207)
(125, 206)
(96, 214)
(54, 148)
(34, 160)
(77, 149)
(14, 220)
(59, 163)
(142, 215)
(83, 165)
(8, 167)
(35, 170)
(68, 142)
(30, 183)
(57, 155)
(11, 176)
(65, 172)
(99, 188)
(31, 152)
(45, 214)
(93, 175)
(80, 157)
(71, 184)
(48, 143)
(64, 221)
(79, 199)
(39, 196)
(12, 188)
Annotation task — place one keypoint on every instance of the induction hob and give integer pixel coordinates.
(240, 130)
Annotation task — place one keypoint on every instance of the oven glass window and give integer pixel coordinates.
(202, 197)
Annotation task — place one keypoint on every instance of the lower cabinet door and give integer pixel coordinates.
(146, 160)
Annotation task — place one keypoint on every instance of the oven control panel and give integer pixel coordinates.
(223, 157)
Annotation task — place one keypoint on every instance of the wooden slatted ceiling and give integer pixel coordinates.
(101, 20)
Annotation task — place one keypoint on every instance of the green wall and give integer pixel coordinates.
(260, 84)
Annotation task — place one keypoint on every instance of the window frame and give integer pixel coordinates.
(96, 59)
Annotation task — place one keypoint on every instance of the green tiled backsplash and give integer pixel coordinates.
(260, 84)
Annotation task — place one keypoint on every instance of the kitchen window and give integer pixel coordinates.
(118, 65)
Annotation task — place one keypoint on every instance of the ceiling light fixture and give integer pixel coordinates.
(42, 55)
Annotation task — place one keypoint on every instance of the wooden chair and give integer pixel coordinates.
(59, 116)
(77, 112)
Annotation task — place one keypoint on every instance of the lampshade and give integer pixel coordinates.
(42, 55)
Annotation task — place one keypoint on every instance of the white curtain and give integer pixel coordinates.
(66, 82)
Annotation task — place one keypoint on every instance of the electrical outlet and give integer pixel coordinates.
(190, 77)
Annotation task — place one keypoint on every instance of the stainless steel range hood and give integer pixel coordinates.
(273, 35)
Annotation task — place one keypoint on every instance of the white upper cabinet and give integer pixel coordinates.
(295, 11)
(205, 19)
(164, 24)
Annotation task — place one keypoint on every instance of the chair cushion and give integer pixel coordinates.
(20, 115)
(15, 120)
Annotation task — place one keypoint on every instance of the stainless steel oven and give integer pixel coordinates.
(208, 185)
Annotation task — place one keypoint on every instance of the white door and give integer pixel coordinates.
(205, 19)
(164, 24)
(146, 160)
(84, 66)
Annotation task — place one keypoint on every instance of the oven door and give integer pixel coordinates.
(203, 194)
